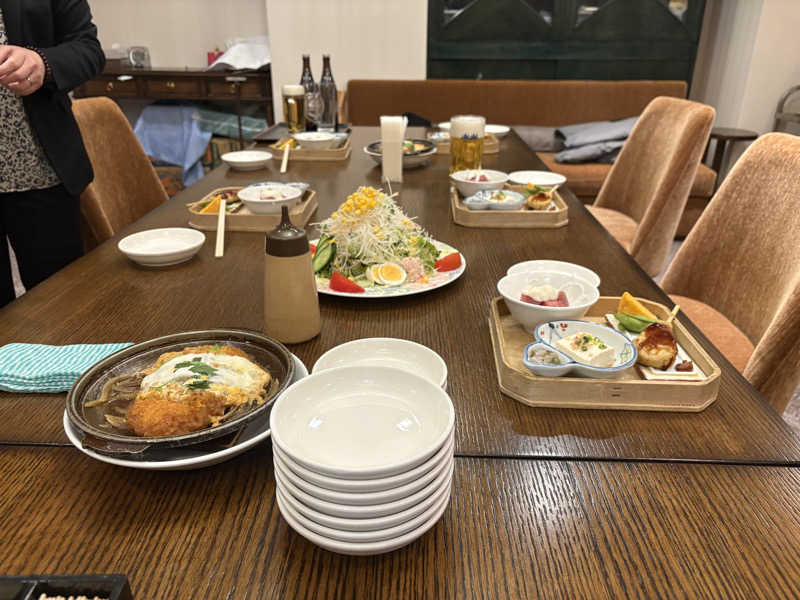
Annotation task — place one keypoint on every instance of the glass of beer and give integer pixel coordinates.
(466, 142)
(294, 107)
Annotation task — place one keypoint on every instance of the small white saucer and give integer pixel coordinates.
(162, 247)
(246, 160)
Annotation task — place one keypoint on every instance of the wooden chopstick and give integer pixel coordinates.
(285, 161)
(672, 315)
(220, 248)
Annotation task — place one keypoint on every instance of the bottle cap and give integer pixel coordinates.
(286, 239)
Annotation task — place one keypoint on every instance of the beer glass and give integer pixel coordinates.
(466, 142)
(294, 107)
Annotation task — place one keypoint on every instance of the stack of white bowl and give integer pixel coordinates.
(363, 457)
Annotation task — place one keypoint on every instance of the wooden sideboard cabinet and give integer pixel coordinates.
(121, 82)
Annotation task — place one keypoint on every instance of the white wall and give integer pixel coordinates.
(178, 33)
(367, 39)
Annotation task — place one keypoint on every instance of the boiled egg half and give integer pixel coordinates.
(387, 274)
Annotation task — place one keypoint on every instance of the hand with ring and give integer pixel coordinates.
(21, 70)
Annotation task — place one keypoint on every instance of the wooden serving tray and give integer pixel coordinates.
(509, 219)
(244, 220)
(628, 392)
(491, 145)
(301, 153)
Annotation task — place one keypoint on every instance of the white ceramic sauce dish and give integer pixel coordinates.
(246, 160)
(388, 352)
(370, 485)
(268, 199)
(466, 187)
(362, 422)
(580, 295)
(625, 353)
(162, 247)
(543, 178)
(532, 266)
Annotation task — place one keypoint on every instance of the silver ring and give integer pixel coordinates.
(28, 79)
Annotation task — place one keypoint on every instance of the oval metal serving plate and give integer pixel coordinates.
(98, 435)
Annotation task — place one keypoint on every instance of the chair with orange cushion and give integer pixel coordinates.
(643, 197)
(125, 185)
(737, 275)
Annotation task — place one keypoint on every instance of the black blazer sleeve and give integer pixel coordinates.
(76, 56)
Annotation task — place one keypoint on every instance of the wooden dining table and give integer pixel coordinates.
(546, 502)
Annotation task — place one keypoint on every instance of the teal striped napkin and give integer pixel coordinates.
(39, 368)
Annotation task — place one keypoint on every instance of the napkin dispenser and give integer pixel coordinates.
(393, 132)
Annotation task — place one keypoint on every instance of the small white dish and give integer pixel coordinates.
(488, 200)
(376, 524)
(362, 422)
(378, 535)
(546, 369)
(370, 485)
(498, 131)
(268, 199)
(466, 187)
(533, 266)
(360, 498)
(162, 247)
(388, 352)
(246, 160)
(625, 353)
(580, 295)
(187, 459)
(315, 140)
(361, 549)
(444, 126)
(543, 178)
(369, 511)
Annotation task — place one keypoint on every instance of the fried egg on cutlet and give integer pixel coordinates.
(193, 389)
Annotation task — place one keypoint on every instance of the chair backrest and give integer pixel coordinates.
(511, 102)
(653, 174)
(125, 185)
(743, 259)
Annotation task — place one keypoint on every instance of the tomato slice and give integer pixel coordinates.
(449, 263)
(313, 248)
(340, 283)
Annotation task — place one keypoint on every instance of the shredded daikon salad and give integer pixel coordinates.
(369, 228)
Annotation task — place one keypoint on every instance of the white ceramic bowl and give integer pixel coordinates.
(370, 485)
(362, 422)
(162, 247)
(387, 352)
(246, 160)
(368, 511)
(498, 131)
(483, 200)
(376, 524)
(441, 499)
(444, 125)
(360, 498)
(555, 265)
(361, 549)
(315, 140)
(254, 197)
(467, 188)
(543, 178)
(580, 294)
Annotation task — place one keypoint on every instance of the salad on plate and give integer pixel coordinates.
(370, 246)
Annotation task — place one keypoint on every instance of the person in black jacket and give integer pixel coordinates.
(47, 47)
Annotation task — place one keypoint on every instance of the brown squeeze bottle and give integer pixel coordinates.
(291, 306)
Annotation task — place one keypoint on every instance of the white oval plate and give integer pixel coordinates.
(162, 247)
(436, 280)
(555, 265)
(361, 549)
(369, 485)
(362, 422)
(186, 459)
(246, 160)
(388, 352)
(360, 498)
(543, 178)
(498, 131)
(364, 512)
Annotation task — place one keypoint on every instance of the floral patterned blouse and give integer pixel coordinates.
(23, 164)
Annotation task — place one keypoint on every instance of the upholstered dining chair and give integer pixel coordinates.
(737, 275)
(125, 185)
(643, 197)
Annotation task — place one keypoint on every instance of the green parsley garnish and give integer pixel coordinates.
(198, 384)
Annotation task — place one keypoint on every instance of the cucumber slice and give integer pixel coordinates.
(323, 256)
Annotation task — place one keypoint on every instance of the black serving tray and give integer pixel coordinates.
(31, 587)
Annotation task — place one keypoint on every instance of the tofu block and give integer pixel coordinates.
(588, 349)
